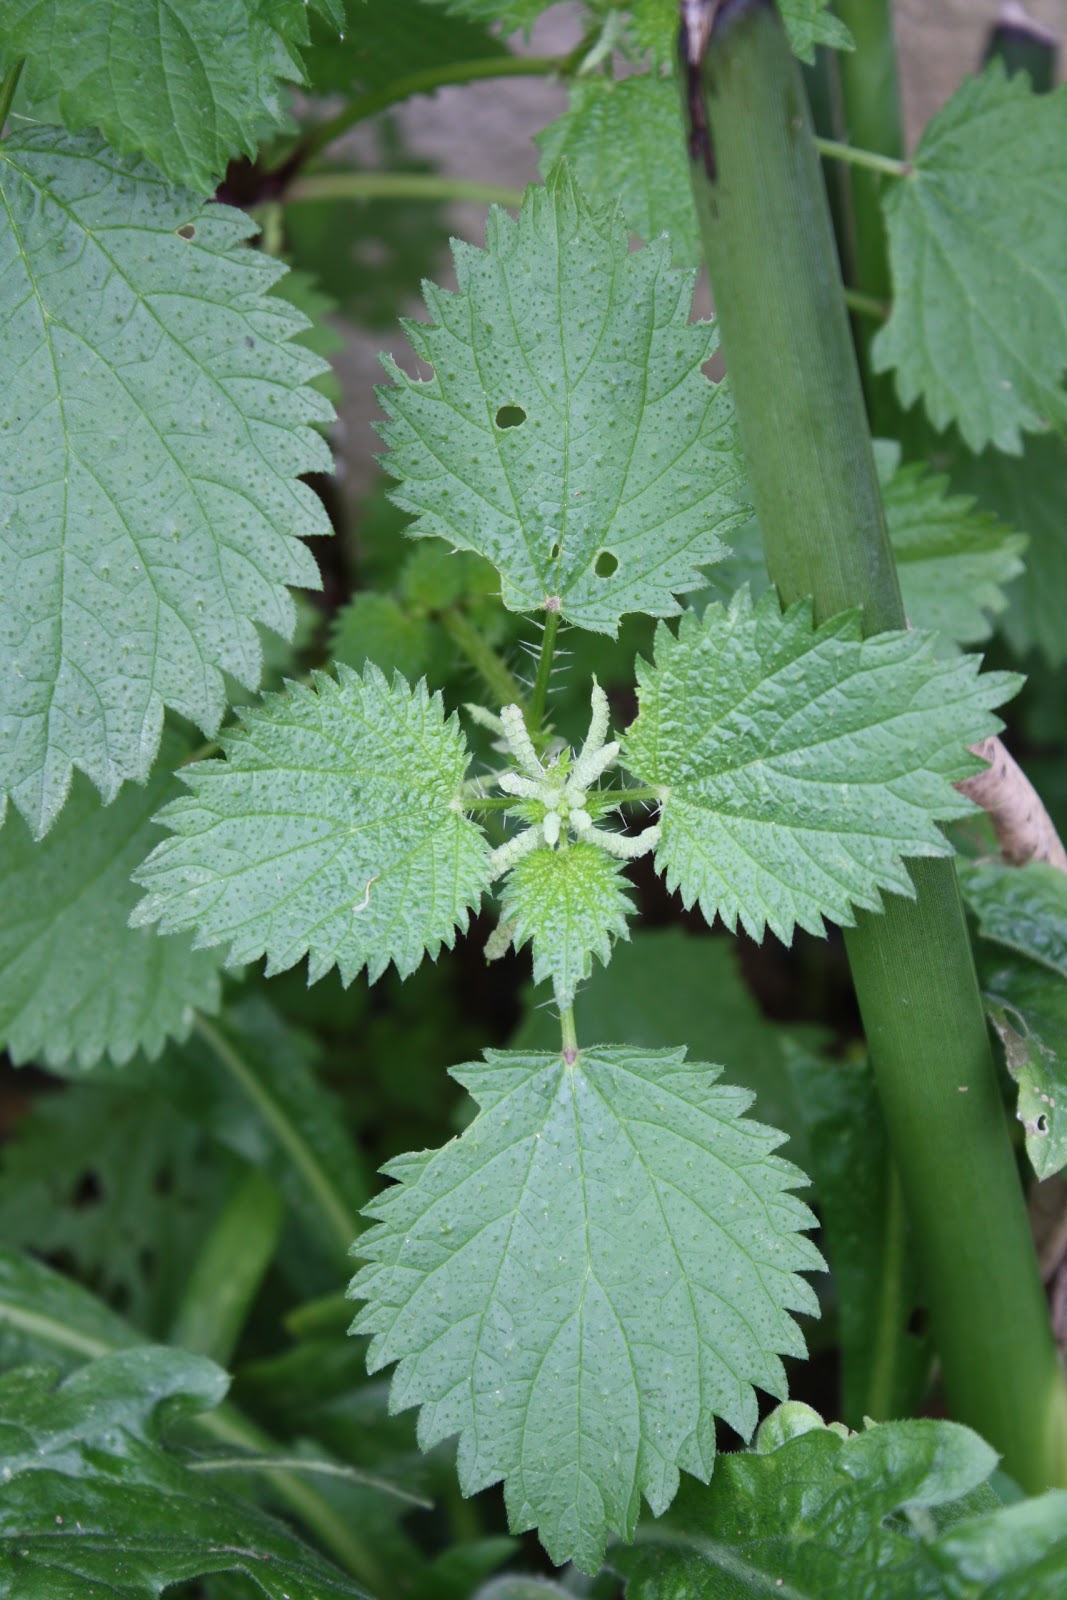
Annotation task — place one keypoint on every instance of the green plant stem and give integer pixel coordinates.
(338, 1222)
(569, 1036)
(8, 84)
(229, 1270)
(364, 186)
(494, 672)
(892, 1309)
(869, 102)
(866, 305)
(856, 156)
(322, 1469)
(539, 698)
(796, 386)
(446, 75)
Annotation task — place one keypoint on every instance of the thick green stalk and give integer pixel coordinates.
(539, 697)
(229, 1270)
(800, 409)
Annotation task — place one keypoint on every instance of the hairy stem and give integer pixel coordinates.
(8, 84)
(800, 408)
(494, 672)
(855, 156)
(445, 75)
(570, 1038)
(539, 698)
(363, 186)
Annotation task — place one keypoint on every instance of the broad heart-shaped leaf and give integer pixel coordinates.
(334, 829)
(1027, 1005)
(189, 86)
(155, 416)
(625, 138)
(799, 766)
(602, 1264)
(902, 1511)
(94, 1504)
(609, 492)
(76, 982)
(572, 904)
(1023, 908)
(807, 22)
(978, 249)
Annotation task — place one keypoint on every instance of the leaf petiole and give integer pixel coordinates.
(853, 156)
(544, 672)
(8, 84)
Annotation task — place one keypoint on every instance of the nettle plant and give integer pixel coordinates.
(607, 1263)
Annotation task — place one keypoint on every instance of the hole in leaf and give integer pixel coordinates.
(187, 231)
(510, 417)
(606, 564)
(553, 554)
(1042, 1123)
(918, 1322)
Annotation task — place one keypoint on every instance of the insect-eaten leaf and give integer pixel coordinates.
(1027, 1005)
(568, 433)
(603, 1263)
(334, 829)
(800, 765)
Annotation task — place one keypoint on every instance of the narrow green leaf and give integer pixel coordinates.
(90, 1492)
(1027, 1005)
(902, 1511)
(568, 433)
(156, 416)
(44, 1315)
(800, 766)
(189, 88)
(624, 138)
(979, 213)
(599, 1266)
(1023, 908)
(334, 830)
(76, 983)
(572, 904)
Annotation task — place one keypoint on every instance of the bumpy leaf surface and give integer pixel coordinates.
(76, 982)
(953, 558)
(979, 260)
(189, 86)
(603, 1263)
(568, 433)
(1027, 1005)
(624, 138)
(155, 417)
(800, 765)
(573, 905)
(1023, 908)
(334, 829)
(94, 1504)
(902, 1511)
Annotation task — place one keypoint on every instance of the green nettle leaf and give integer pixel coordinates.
(1027, 1005)
(93, 1502)
(47, 1317)
(799, 766)
(602, 1264)
(188, 88)
(76, 982)
(121, 1188)
(375, 627)
(953, 558)
(1027, 491)
(334, 830)
(573, 905)
(1023, 908)
(568, 433)
(386, 40)
(902, 1511)
(654, 27)
(977, 216)
(156, 416)
(614, 136)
